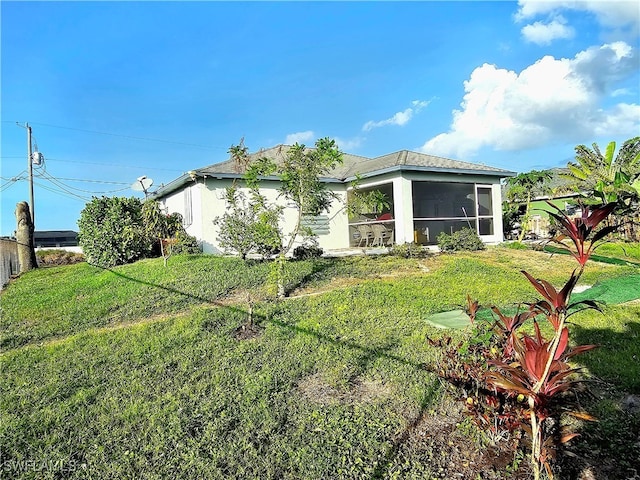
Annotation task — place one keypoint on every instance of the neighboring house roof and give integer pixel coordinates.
(353, 166)
(53, 238)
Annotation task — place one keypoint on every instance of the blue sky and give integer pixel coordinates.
(117, 90)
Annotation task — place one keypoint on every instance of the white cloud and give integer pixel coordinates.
(299, 137)
(348, 144)
(400, 118)
(622, 118)
(544, 33)
(621, 92)
(611, 14)
(551, 99)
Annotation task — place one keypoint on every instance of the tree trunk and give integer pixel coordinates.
(282, 292)
(524, 221)
(24, 238)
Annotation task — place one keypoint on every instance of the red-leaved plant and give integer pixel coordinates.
(535, 368)
(515, 382)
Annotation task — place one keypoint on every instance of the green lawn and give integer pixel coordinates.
(136, 372)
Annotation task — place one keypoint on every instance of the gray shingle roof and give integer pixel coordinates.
(352, 166)
(407, 160)
(356, 165)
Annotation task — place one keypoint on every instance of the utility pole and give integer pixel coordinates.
(32, 209)
(30, 164)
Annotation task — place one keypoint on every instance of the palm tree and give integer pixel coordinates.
(521, 188)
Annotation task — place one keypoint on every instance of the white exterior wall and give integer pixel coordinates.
(176, 203)
(403, 212)
(208, 203)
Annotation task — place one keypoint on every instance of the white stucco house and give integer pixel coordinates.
(426, 195)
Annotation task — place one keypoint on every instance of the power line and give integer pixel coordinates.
(71, 195)
(91, 181)
(12, 180)
(64, 186)
(9, 184)
(139, 167)
(14, 176)
(119, 165)
(130, 136)
(58, 182)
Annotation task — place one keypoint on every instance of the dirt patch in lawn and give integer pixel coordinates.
(247, 331)
(444, 441)
(435, 437)
(315, 389)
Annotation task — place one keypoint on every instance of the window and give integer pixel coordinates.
(318, 224)
(187, 218)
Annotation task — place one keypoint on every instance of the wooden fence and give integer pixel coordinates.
(8, 260)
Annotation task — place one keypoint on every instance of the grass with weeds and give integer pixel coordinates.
(59, 301)
(623, 250)
(135, 372)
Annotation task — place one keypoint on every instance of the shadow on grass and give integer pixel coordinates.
(370, 354)
(319, 266)
(386, 463)
(618, 357)
(594, 257)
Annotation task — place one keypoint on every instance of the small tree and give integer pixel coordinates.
(252, 223)
(162, 229)
(249, 226)
(300, 175)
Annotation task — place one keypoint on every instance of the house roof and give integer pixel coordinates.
(353, 166)
(54, 233)
(407, 160)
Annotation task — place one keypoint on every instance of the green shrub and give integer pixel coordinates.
(111, 231)
(117, 230)
(305, 252)
(249, 225)
(515, 245)
(186, 243)
(409, 250)
(465, 239)
(160, 226)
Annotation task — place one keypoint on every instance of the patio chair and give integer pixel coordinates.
(366, 234)
(381, 235)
